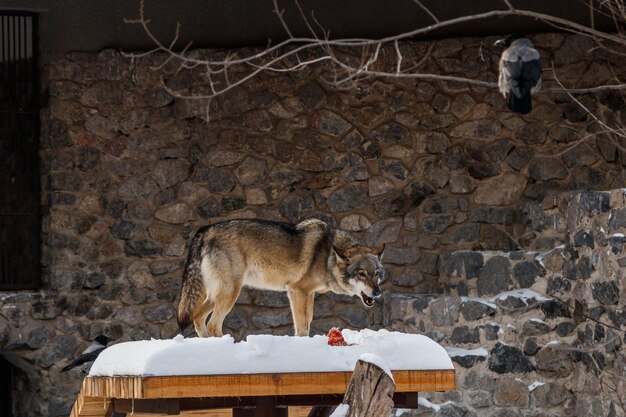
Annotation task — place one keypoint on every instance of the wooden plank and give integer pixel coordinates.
(309, 383)
(90, 407)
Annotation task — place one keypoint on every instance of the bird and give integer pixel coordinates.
(520, 72)
(90, 354)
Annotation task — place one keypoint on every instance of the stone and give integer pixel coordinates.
(605, 292)
(526, 273)
(220, 158)
(530, 347)
(391, 133)
(393, 168)
(543, 168)
(332, 124)
(379, 185)
(479, 398)
(355, 223)
(463, 334)
(169, 172)
(535, 327)
(508, 359)
(474, 310)
(511, 392)
(417, 192)
(454, 158)
(236, 319)
(483, 169)
(555, 361)
(493, 215)
(575, 48)
(390, 206)
(462, 105)
(461, 184)
(60, 348)
(444, 311)
(38, 337)
(310, 95)
(175, 214)
(94, 280)
(348, 197)
(491, 331)
(478, 380)
(467, 360)
(500, 191)
(401, 255)
(334, 162)
(519, 158)
(409, 277)
(209, 208)
(532, 133)
(565, 329)
(122, 229)
(220, 180)
(264, 319)
(468, 233)
(142, 248)
(464, 264)
(550, 395)
(231, 203)
(383, 231)
(251, 172)
(158, 314)
(437, 224)
(494, 276)
(294, 206)
(137, 187)
(499, 150)
(581, 155)
(478, 129)
(452, 410)
(355, 317)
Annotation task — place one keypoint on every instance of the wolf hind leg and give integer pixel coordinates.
(199, 321)
(223, 304)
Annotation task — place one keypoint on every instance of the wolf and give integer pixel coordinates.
(302, 259)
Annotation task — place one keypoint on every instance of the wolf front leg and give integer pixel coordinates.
(298, 299)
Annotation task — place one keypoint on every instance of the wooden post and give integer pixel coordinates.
(370, 392)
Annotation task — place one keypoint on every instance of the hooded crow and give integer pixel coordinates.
(520, 72)
(90, 354)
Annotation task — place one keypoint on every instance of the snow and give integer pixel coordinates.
(535, 385)
(423, 402)
(524, 295)
(341, 411)
(268, 354)
(479, 300)
(454, 352)
(374, 359)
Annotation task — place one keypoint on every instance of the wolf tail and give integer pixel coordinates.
(192, 288)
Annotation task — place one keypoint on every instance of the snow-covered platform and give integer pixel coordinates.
(217, 372)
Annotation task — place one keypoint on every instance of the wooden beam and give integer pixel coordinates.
(91, 407)
(310, 383)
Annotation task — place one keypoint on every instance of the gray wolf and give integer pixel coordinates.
(302, 259)
(520, 72)
(86, 358)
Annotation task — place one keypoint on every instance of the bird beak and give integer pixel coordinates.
(500, 43)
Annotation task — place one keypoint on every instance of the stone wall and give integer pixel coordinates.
(533, 333)
(431, 168)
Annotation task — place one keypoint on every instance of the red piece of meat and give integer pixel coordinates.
(335, 338)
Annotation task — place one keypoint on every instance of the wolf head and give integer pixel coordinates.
(362, 272)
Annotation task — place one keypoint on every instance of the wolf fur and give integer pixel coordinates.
(302, 259)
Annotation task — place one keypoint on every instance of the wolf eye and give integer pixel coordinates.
(376, 273)
(362, 273)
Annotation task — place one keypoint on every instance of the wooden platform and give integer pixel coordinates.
(101, 396)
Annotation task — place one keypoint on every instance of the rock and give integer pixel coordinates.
(464, 264)
(142, 248)
(209, 208)
(511, 392)
(565, 329)
(494, 277)
(463, 334)
(493, 215)
(348, 197)
(220, 158)
(271, 318)
(437, 224)
(491, 331)
(462, 105)
(474, 310)
(581, 155)
(535, 327)
(383, 231)
(390, 206)
(393, 167)
(169, 172)
(158, 314)
(555, 361)
(550, 395)
(270, 298)
(467, 361)
(379, 185)
(391, 133)
(543, 168)
(60, 348)
(334, 162)
(553, 308)
(605, 292)
(310, 95)
(500, 191)
(294, 206)
(461, 184)
(526, 273)
(332, 124)
(519, 158)
(220, 180)
(445, 311)
(401, 255)
(38, 337)
(251, 172)
(484, 128)
(417, 191)
(230, 203)
(483, 169)
(409, 277)
(532, 134)
(355, 223)
(175, 214)
(530, 347)
(508, 359)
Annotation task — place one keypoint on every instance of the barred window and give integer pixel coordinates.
(20, 225)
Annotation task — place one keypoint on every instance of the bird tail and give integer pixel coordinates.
(521, 104)
(192, 292)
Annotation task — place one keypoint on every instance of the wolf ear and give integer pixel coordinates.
(378, 251)
(344, 253)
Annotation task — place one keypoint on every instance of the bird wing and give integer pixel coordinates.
(520, 71)
(84, 358)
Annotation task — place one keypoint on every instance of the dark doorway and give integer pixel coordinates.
(6, 388)
(19, 152)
